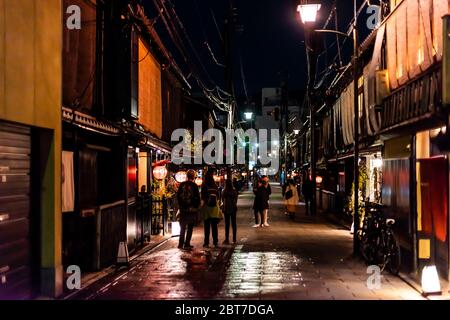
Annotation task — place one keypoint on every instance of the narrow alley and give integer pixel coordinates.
(308, 258)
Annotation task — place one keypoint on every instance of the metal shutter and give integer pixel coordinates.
(15, 246)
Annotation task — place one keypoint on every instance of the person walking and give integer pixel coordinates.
(261, 203)
(307, 190)
(291, 198)
(211, 211)
(229, 198)
(188, 197)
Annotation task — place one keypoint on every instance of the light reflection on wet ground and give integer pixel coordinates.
(255, 273)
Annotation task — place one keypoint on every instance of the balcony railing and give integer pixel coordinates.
(414, 101)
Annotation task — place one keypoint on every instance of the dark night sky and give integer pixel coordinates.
(271, 44)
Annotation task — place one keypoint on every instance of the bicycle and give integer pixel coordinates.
(378, 244)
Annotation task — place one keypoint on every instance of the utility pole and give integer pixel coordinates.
(356, 112)
(312, 67)
(285, 117)
(312, 119)
(228, 45)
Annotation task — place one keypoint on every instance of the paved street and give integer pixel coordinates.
(308, 258)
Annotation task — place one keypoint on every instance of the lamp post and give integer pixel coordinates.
(308, 15)
(249, 117)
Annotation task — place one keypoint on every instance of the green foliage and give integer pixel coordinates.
(363, 178)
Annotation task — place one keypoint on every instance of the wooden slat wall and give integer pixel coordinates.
(414, 38)
(79, 48)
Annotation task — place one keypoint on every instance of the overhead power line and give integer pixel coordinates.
(179, 36)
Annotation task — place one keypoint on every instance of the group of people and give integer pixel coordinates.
(262, 191)
(212, 204)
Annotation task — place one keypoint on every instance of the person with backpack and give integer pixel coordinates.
(291, 198)
(188, 197)
(230, 198)
(261, 203)
(211, 210)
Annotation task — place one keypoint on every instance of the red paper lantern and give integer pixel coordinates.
(160, 172)
(199, 182)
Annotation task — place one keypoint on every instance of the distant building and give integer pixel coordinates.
(271, 117)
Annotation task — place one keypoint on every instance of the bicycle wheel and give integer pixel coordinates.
(394, 255)
(367, 248)
(380, 252)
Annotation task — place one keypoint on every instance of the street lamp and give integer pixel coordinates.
(308, 14)
(248, 115)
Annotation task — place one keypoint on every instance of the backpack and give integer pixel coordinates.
(212, 198)
(289, 194)
(186, 196)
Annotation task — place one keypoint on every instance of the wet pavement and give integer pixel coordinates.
(308, 258)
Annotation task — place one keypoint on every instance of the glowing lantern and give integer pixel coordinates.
(217, 178)
(160, 172)
(377, 163)
(319, 179)
(308, 12)
(181, 176)
(175, 228)
(199, 182)
(430, 281)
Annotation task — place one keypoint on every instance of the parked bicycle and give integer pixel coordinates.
(378, 244)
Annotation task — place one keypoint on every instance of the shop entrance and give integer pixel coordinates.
(433, 212)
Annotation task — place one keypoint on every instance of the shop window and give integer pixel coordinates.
(374, 177)
(423, 145)
(143, 172)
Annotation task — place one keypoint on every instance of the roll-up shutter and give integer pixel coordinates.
(15, 244)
